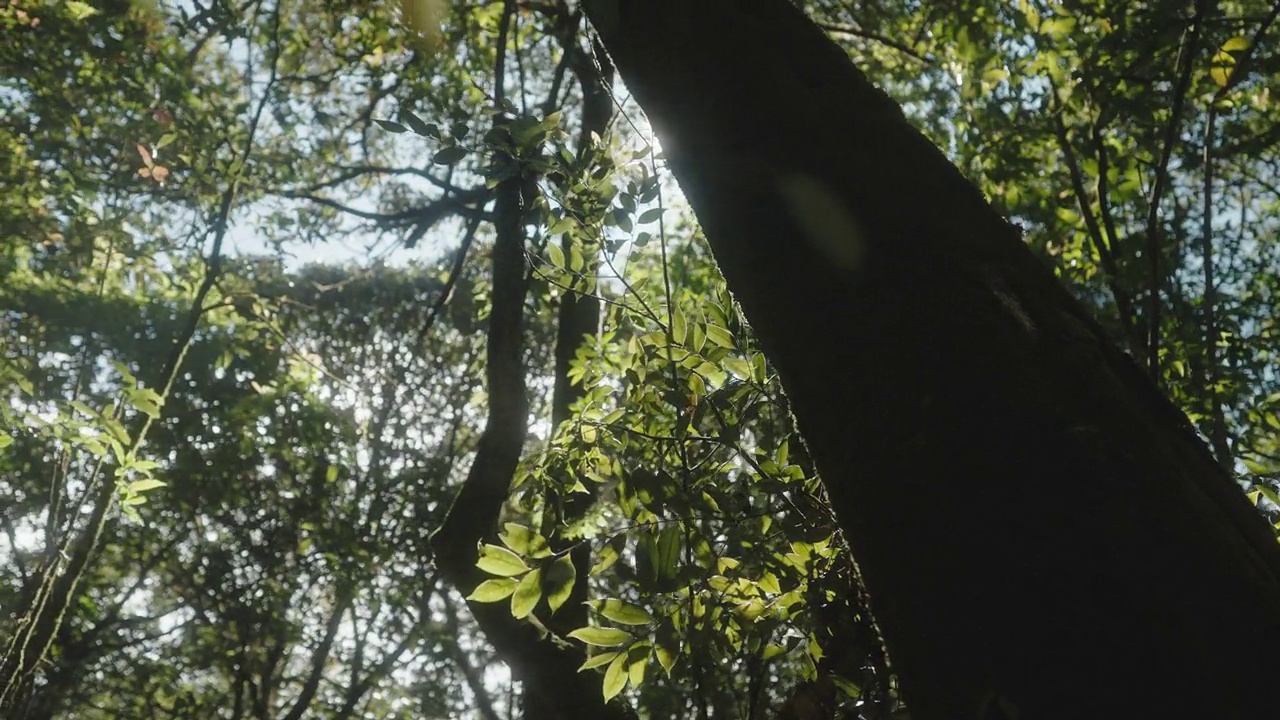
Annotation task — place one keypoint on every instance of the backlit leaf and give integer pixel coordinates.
(1222, 65)
(559, 580)
(668, 557)
(493, 590)
(624, 612)
(497, 560)
(615, 677)
(666, 658)
(596, 661)
(524, 541)
(145, 485)
(601, 637)
(637, 660)
(527, 593)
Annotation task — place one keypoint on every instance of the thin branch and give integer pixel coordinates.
(856, 30)
(1106, 254)
(475, 680)
(1218, 422)
(1185, 64)
(320, 657)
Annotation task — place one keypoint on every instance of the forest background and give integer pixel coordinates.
(259, 312)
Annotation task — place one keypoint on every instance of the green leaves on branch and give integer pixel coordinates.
(554, 580)
(623, 667)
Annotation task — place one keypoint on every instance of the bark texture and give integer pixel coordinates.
(1041, 532)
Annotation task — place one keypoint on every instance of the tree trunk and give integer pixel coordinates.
(1042, 534)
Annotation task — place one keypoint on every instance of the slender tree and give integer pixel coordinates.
(1041, 532)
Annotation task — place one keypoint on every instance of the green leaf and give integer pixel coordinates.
(562, 225)
(1222, 65)
(679, 327)
(145, 400)
(601, 637)
(853, 692)
(331, 473)
(750, 610)
(559, 581)
(666, 658)
(647, 556)
(596, 661)
(1269, 494)
(1235, 44)
(84, 409)
(391, 126)
(449, 155)
(615, 677)
(772, 650)
(607, 556)
(493, 590)
(145, 485)
(526, 596)
(719, 336)
(668, 557)
(622, 219)
(624, 613)
(651, 215)
(769, 583)
(80, 10)
(418, 126)
(524, 541)
(555, 255)
(697, 385)
(739, 367)
(5, 441)
(497, 560)
(638, 658)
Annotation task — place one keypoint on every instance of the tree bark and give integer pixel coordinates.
(1041, 532)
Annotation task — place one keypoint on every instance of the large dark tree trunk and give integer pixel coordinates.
(1041, 533)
